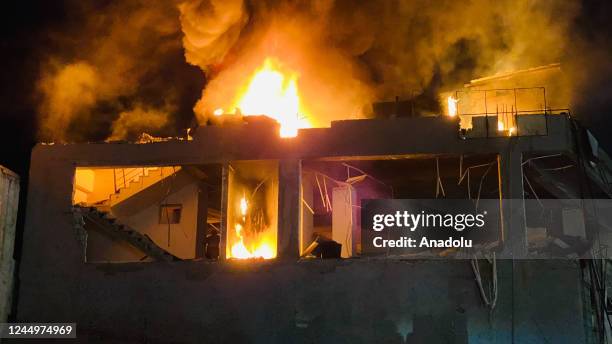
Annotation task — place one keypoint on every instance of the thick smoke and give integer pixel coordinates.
(106, 67)
(349, 53)
(235, 44)
(138, 120)
(68, 90)
(211, 29)
(117, 65)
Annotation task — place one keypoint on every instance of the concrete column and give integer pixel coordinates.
(513, 202)
(307, 219)
(225, 170)
(289, 197)
(201, 220)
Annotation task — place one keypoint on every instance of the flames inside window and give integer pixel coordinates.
(252, 210)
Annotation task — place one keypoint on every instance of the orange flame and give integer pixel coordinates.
(452, 106)
(239, 249)
(502, 127)
(275, 94)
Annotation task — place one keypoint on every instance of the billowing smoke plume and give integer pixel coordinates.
(349, 53)
(119, 64)
(238, 37)
(69, 90)
(211, 29)
(110, 68)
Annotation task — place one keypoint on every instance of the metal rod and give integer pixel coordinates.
(516, 114)
(486, 114)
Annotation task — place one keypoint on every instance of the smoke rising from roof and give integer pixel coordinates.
(110, 62)
(352, 53)
(347, 54)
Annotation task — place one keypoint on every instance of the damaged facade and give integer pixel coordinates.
(71, 242)
(220, 237)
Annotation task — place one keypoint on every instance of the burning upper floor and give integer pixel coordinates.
(242, 191)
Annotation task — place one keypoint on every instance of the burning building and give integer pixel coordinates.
(220, 236)
(207, 170)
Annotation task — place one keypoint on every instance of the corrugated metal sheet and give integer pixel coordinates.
(9, 199)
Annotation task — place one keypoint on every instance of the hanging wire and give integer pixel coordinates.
(541, 157)
(326, 199)
(465, 174)
(558, 168)
(532, 190)
(308, 206)
(367, 175)
(439, 186)
(489, 300)
(327, 196)
(321, 193)
(481, 182)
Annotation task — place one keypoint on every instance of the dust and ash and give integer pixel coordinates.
(326, 60)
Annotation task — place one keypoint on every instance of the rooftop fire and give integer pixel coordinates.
(273, 92)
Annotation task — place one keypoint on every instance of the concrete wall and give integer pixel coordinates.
(370, 301)
(9, 200)
(285, 301)
(181, 241)
(141, 212)
(93, 185)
